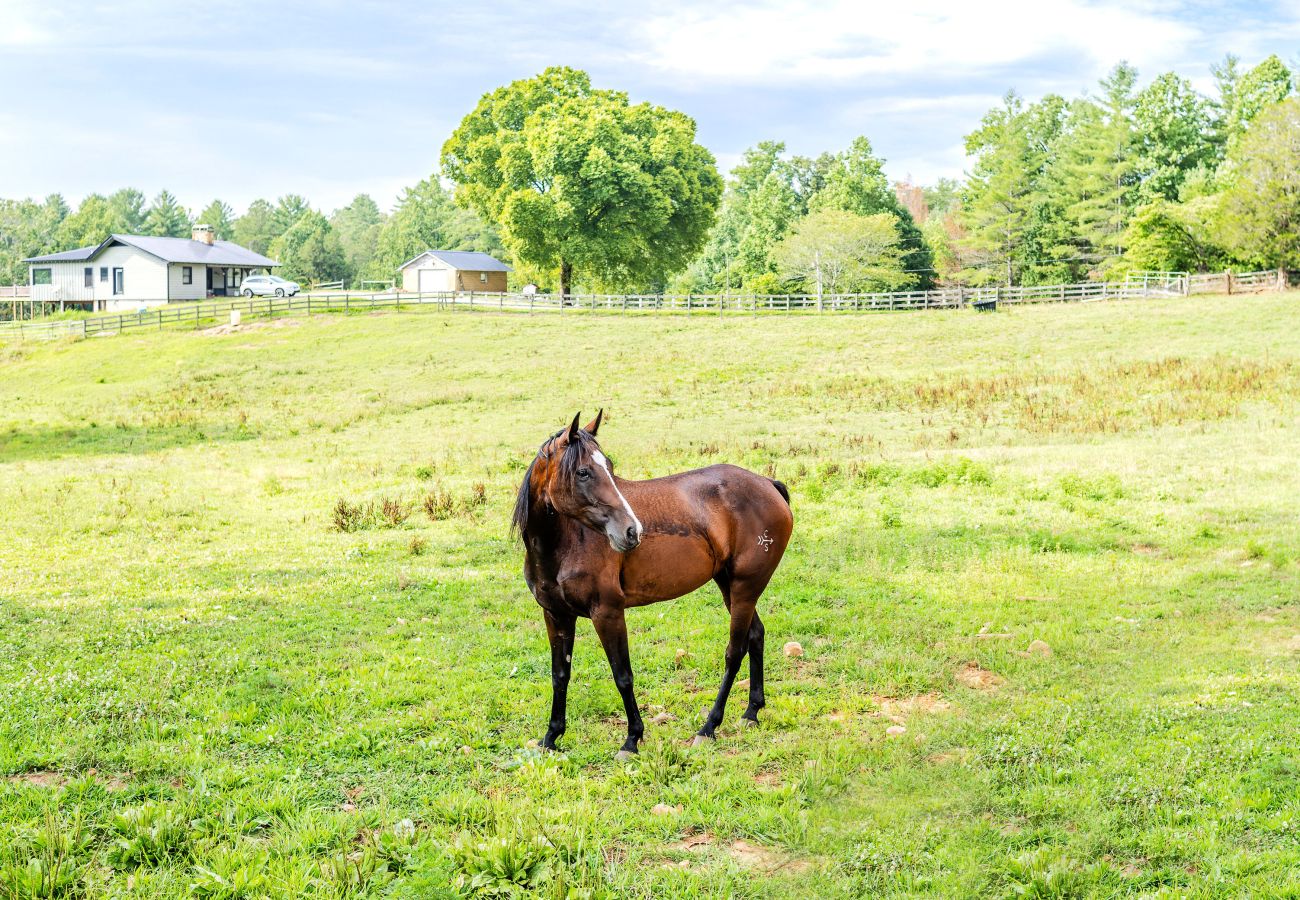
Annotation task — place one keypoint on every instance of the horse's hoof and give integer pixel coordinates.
(743, 722)
(624, 755)
(701, 740)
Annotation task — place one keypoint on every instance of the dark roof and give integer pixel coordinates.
(169, 249)
(66, 255)
(465, 260)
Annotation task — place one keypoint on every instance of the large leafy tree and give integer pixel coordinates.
(855, 182)
(1173, 137)
(1261, 206)
(310, 251)
(166, 217)
(757, 208)
(256, 229)
(1164, 236)
(221, 217)
(358, 225)
(840, 251)
(128, 209)
(583, 180)
(27, 228)
(95, 219)
(1268, 83)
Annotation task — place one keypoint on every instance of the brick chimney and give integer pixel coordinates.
(203, 233)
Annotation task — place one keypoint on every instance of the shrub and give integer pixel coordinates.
(478, 495)
(394, 512)
(348, 516)
(439, 505)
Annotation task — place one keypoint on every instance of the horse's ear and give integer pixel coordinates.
(573, 429)
(594, 424)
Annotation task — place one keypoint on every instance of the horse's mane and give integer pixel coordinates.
(568, 465)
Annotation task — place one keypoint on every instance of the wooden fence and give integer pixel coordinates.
(216, 312)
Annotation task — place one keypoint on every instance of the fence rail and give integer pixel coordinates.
(197, 314)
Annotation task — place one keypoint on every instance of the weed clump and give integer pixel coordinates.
(439, 505)
(388, 512)
(348, 516)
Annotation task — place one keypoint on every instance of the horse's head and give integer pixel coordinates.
(575, 479)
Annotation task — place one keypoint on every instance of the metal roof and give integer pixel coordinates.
(169, 249)
(66, 256)
(465, 260)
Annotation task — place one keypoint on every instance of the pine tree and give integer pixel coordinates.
(999, 195)
(221, 217)
(166, 217)
(1092, 176)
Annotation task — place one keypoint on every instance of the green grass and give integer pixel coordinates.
(210, 688)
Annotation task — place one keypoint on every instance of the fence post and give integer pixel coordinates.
(1228, 279)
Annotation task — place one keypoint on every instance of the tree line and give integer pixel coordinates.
(353, 243)
(581, 189)
(1157, 178)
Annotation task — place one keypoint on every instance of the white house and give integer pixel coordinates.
(443, 271)
(127, 271)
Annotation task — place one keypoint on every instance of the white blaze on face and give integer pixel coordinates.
(604, 465)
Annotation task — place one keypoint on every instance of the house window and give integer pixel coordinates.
(482, 276)
(187, 274)
(119, 286)
(42, 276)
(237, 277)
(103, 273)
(90, 276)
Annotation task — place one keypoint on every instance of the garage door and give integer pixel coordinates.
(430, 281)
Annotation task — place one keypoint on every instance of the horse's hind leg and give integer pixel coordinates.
(757, 700)
(742, 617)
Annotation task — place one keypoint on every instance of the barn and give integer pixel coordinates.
(444, 271)
(126, 271)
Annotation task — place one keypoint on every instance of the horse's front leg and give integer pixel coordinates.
(611, 628)
(559, 628)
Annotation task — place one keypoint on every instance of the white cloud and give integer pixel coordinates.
(20, 26)
(843, 40)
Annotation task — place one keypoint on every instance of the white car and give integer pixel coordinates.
(265, 285)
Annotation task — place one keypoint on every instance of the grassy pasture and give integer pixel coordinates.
(218, 681)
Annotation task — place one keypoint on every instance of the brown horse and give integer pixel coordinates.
(597, 544)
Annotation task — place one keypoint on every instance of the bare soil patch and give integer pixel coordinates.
(972, 676)
(39, 779)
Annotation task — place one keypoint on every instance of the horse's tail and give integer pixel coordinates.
(782, 490)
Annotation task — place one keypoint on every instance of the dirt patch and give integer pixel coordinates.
(1146, 549)
(743, 853)
(694, 843)
(751, 856)
(950, 757)
(768, 779)
(972, 676)
(253, 325)
(921, 704)
(39, 779)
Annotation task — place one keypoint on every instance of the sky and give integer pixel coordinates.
(238, 100)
